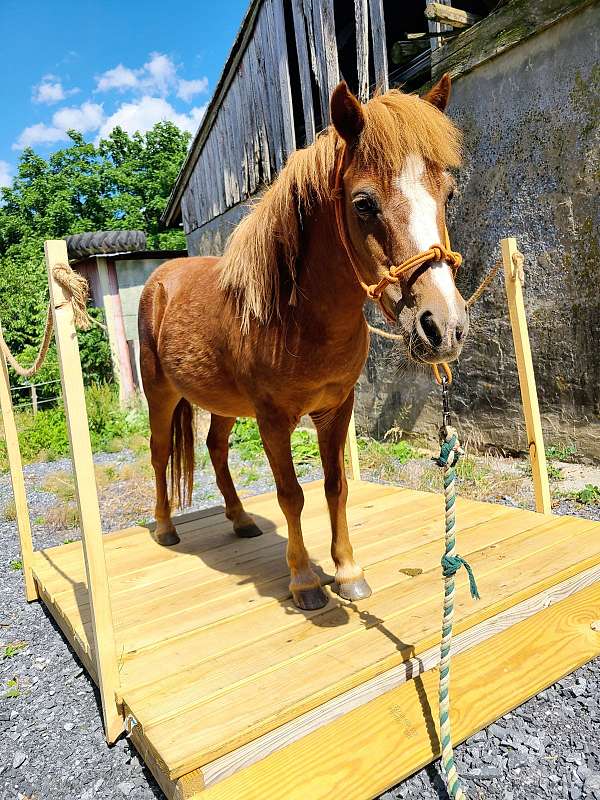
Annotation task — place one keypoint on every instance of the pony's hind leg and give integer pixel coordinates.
(305, 586)
(161, 410)
(332, 429)
(217, 442)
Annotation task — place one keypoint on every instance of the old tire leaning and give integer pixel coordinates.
(81, 245)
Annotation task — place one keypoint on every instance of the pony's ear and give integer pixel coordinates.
(439, 94)
(346, 114)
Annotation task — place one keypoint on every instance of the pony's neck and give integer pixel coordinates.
(326, 281)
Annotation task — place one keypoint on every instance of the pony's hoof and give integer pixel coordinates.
(354, 590)
(168, 538)
(310, 599)
(248, 531)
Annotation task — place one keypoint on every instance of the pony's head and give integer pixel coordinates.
(396, 186)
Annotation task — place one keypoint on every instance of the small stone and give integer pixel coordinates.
(126, 788)
(592, 782)
(575, 793)
(499, 731)
(19, 759)
(68, 726)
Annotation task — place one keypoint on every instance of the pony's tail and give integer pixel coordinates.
(182, 453)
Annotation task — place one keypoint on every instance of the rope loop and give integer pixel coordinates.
(76, 289)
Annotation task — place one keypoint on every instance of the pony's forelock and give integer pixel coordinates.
(265, 244)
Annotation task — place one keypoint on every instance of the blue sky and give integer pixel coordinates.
(92, 65)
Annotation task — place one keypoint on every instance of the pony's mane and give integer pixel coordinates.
(263, 248)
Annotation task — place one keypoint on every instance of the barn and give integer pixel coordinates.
(526, 79)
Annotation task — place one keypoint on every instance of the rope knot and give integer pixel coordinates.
(451, 565)
(450, 450)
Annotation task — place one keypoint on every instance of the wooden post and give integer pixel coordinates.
(352, 444)
(34, 403)
(87, 497)
(514, 289)
(18, 480)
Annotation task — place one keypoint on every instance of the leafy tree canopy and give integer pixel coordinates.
(123, 182)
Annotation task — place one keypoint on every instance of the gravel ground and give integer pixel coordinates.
(51, 740)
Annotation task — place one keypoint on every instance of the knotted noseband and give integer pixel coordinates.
(374, 291)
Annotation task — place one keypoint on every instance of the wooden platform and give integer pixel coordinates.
(225, 684)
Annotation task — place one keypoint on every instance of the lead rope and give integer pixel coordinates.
(450, 452)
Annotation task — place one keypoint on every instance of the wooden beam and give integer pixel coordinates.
(379, 44)
(18, 481)
(437, 28)
(366, 751)
(304, 69)
(513, 279)
(448, 15)
(361, 15)
(87, 497)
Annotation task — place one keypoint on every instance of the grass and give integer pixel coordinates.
(9, 512)
(12, 649)
(61, 484)
(561, 452)
(16, 565)
(12, 688)
(62, 515)
(245, 439)
(44, 437)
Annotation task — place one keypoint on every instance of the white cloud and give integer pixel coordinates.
(84, 118)
(141, 115)
(188, 89)
(50, 90)
(5, 176)
(157, 77)
(119, 78)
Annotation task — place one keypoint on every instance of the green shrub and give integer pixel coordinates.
(44, 433)
(590, 495)
(245, 438)
(561, 452)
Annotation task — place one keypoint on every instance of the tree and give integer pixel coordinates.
(123, 182)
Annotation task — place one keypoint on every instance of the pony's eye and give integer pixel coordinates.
(365, 205)
(450, 196)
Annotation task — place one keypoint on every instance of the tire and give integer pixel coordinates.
(81, 245)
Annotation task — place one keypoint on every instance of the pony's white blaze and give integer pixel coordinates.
(423, 226)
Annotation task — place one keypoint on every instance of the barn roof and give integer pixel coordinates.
(172, 212)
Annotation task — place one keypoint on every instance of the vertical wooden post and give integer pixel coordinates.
(34, 403)
(518, 320)
(352, 444)
(18, 480)
(87, 497)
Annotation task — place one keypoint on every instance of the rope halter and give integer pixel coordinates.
(374, 291)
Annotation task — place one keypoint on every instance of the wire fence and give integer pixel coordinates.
(33, 401)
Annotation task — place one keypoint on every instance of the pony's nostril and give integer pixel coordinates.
(430, 329)
(460, 332)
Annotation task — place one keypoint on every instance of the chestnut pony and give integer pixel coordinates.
(275, 328)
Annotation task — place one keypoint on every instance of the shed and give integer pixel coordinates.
(116, 281)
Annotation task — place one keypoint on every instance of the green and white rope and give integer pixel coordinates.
(451, 563)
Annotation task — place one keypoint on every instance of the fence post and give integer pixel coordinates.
(87, 497)
(18, 481)
(513, 280)
(34, 403)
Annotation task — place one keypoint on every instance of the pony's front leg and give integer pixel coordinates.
(332, 429)
(275, 430)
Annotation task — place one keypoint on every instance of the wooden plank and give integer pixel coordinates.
(509, 25)
(379, 44)
(361, 11)
(448, 15)
(513, 281)
(247, 707)
(85, 485)
(328, 712)
(352, 444)
(377, 745)
(437, 28)
(304, 69)
(283, 72)
(17, 478)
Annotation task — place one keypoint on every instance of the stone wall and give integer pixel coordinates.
(532, 170)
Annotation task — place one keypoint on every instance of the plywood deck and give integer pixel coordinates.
(216, 664)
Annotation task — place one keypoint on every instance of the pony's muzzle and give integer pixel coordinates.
(440, 335)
